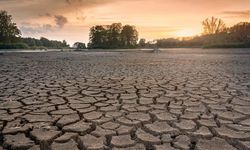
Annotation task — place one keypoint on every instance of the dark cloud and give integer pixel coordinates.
(60, 21)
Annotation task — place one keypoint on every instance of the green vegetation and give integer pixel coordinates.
(215, 35)
(79, 46)
(13, 46)
(10, 37)
(44, 43)
(113, 36)
(8, 30)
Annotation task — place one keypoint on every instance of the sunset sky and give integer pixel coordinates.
(70, 20)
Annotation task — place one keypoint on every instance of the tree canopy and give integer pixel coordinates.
(79, 45)
(213, 26)
(241, 32)
(113, 36)
(8, 29)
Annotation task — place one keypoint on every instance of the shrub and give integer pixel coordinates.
(13, 46)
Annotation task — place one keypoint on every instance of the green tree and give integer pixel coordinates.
(45, 42)
(64, 44)
(142, 43)
(240, 32)
(8, 29)
(79, 45)
(129, 36)
(213, 26)
(114, 35)
(98, 37)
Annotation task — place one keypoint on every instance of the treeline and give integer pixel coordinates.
(113, 36)
(10, 37)
(44, 43)
(215, 35)
(32, 43)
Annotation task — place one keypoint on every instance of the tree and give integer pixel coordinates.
(8, 29)
(213, 26)
(142, 43)
(64, 44)
(45, 42)
(98, 37)
(79, 45)
(114, 35)
(129, 36)
(240, 32)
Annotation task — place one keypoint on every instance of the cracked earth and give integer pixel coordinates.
(184, 100)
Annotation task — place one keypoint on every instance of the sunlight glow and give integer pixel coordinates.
(186, 33)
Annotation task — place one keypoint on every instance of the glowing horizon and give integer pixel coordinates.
(70, 20)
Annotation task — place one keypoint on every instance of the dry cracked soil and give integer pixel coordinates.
(173, 100)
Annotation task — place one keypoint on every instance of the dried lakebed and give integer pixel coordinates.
(198, 100)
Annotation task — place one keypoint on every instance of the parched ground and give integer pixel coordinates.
(184, 99)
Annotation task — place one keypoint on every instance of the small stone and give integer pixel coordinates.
(122, 141)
